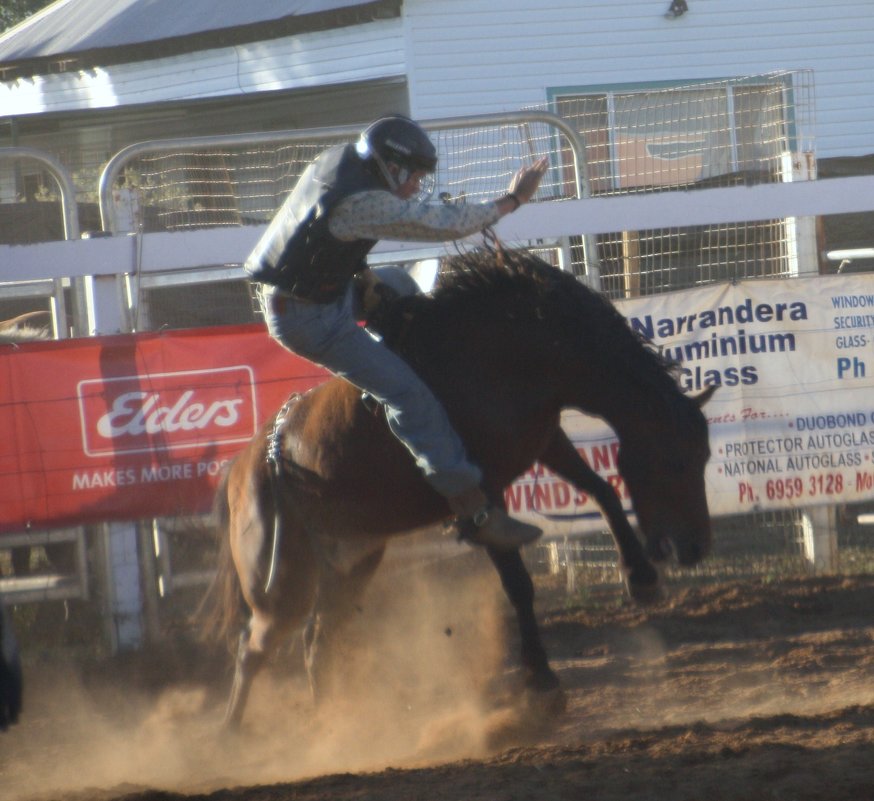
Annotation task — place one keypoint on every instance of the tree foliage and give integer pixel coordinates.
(13, 11)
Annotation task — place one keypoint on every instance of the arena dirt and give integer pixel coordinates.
(741, 691)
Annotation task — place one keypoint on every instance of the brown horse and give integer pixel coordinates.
(506, 342)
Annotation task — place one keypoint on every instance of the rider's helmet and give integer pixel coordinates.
(398, 140)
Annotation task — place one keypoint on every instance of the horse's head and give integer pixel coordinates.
(663, 467)
(608, 370)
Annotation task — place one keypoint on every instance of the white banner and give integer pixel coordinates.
(792, 423)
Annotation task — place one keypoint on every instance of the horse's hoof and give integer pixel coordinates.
(229, 729)
(644, 594)
(643, 590)
(544, 705)
(544, 698)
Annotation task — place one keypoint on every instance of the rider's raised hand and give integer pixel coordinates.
(523, 186)
(527, 179)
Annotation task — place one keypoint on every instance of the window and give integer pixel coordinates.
(671, 136)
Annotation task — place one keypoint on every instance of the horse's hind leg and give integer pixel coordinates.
(337, 598)
(544, 697)
(256, 640)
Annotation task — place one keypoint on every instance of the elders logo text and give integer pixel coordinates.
(167, 411)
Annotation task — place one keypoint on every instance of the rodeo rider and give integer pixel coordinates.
(347, 199)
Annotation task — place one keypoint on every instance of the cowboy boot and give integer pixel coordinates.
(483, 523)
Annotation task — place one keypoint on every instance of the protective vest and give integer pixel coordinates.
(297, 252)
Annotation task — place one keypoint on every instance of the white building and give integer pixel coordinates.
(90, 76)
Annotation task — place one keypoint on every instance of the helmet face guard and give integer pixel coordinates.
(398, 140)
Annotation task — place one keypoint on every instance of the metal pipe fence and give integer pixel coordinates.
(241, 178)
(36, 289)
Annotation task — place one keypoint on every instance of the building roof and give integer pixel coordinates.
(117, 31)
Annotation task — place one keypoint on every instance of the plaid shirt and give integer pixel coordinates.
(378, 214)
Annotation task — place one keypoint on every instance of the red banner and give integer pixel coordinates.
(133, 426)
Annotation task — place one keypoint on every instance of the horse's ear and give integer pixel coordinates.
(705, 395)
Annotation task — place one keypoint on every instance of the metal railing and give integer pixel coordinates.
(66, 187)
(323, 137)
(70, 216)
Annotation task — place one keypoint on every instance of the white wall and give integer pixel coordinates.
(474, 56)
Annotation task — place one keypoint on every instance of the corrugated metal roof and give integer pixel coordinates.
(76, 26)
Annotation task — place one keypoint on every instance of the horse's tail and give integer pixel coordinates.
(221, 612)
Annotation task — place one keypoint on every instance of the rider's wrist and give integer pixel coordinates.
(515, 198)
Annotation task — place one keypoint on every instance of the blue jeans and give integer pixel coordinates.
(328, 335)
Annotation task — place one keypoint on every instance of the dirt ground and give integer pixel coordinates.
(732, 692)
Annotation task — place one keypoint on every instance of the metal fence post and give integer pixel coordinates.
(820, 538)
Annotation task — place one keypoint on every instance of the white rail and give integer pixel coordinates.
(228, 247)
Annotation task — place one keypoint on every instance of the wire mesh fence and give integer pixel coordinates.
(198, 185)
(751, 130)
(764, 545)
(202, 187)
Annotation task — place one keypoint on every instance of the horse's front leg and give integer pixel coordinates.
(641, 578)
(539, 676)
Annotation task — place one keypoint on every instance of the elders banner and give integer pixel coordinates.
(792, 424)
(133, 426)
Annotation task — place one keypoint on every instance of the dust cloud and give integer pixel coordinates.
(410, 687)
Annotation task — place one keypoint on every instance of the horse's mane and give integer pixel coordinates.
(523, 286)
